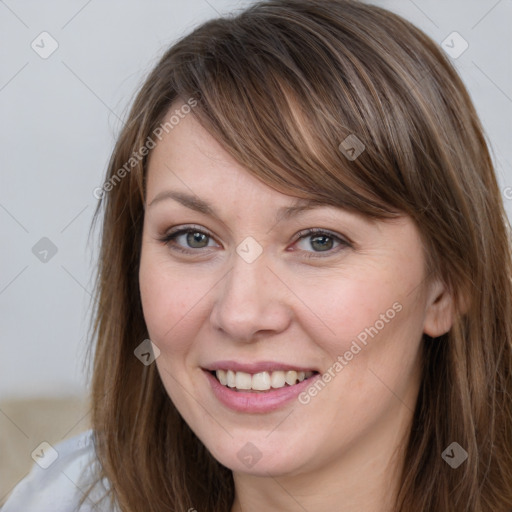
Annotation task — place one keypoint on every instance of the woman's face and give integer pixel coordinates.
(243, 292)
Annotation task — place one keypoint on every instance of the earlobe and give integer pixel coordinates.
(440, 310)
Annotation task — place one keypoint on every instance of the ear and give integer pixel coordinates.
(439, 313)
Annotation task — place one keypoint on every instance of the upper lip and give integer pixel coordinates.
(256, 367)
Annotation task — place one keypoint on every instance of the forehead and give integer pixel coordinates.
(188, 159)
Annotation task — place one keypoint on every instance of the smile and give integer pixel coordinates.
(261, 381)
(261, 387)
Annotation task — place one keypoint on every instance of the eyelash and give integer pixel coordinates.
(171, 237)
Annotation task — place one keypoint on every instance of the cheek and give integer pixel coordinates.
(372, 318)
(172, 302)
(345, 308)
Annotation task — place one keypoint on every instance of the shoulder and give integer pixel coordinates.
(59, 478)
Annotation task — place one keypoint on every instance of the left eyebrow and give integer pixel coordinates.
(300, 206)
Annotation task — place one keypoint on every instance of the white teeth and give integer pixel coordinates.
(262, 381)
(290, 377)
(243, 380)
(230, 375)
(223, 378)
(277, 379)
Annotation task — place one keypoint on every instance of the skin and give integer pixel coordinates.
(342, 450)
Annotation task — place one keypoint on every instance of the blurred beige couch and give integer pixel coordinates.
(24, 424)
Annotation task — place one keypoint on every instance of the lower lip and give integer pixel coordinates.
(258, 402)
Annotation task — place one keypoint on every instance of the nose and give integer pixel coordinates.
(251, 302)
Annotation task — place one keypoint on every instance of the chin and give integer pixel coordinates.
(261, 457)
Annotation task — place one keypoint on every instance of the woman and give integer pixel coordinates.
(304, 290)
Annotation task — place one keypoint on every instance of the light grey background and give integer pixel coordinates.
(60, 117)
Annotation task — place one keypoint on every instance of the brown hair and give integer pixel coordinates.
(280, 86)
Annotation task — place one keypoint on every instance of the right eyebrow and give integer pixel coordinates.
(189, 200)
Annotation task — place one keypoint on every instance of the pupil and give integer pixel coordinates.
(197, 240)
(321, 242)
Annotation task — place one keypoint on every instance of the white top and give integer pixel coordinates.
(58, 477)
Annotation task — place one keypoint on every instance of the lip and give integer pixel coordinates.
(255, 367)
(260, 402)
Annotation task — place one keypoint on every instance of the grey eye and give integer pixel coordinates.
(321, 242)
(197, 240)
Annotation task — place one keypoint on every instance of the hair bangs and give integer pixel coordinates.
(280, 124)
